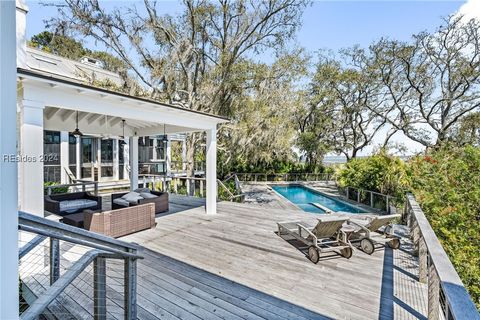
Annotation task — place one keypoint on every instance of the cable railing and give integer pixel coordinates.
(373, 199)
(67, 272)
(80, 185)
(447, 296)
(190, 186)
(284, 177)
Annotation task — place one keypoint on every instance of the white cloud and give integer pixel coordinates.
(470, 9)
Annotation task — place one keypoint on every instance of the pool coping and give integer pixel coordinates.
(340, 198)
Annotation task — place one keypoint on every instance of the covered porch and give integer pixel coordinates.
(110, 125)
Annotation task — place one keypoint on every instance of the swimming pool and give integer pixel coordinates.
(303, 198)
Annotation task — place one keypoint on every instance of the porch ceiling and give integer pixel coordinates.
(101, 111)
(61, 119)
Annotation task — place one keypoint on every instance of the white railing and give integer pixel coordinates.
(447, 296)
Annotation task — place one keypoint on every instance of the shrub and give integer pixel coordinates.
(55, 190)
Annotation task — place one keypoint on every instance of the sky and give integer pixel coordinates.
(332, 25)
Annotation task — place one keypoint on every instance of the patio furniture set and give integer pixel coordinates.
(342, 235)
(131, 211)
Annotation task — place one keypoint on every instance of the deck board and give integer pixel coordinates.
(234, 266)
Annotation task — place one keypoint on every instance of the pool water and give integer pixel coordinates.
(302, 197)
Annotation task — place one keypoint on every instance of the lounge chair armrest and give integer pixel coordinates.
(302, 227)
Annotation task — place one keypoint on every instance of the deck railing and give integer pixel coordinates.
(284, 177)
(376, 200)
(447, 296)
(68, 272)
(191, 186)
(80, 185)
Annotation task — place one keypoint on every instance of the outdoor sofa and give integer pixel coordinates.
(69, 203)
(120, 222)
(141, 196)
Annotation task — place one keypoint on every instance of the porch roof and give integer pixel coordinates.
(101, 111)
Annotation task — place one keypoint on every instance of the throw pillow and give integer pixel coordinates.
(142, 190)
(148, 195)
(121, 202)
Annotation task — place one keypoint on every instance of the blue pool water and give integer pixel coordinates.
(303, 197)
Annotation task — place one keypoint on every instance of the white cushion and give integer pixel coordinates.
(121, 202)
(132, 197)
(70, 206)
(148, 195)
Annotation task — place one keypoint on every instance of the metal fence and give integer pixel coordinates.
(447, 296)
(284, 177)
(376, 200)
(70, 273)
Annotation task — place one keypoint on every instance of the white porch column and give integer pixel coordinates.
(64, 156)
(8, 169)
(133, 161)
(184, 154)
(78, 155)
(211, 174)
(155, 153)
(99, 158)
(116, 159)
(31, 150)
(168, 156)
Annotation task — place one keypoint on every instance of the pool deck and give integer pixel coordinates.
(234, 266)
(261, 194)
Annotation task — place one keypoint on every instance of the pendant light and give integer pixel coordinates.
(122, 142)
(165, 138)
(77, 132)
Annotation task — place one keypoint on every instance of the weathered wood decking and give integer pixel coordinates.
(240, 245)
(234, 266)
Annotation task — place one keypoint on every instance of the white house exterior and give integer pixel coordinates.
(54, 98)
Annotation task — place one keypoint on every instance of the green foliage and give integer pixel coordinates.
(446, 183)
(447, 186)
(55, 190)
(381, 172)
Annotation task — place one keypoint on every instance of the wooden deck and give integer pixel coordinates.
(234, 266)
(238, 251)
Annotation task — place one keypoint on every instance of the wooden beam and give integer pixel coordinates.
(82, 115)
(51, 112)
(67, 114)
(93, 117)
(115, 121)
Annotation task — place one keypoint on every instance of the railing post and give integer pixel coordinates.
(422, 261)
(54, 260)
(201, 188)
(49, 191)
(175, 187)
(348, 194)
(99, 289)
(371, 199)
(387, 204)
(130, 289)
(434, 294)
(358, 195)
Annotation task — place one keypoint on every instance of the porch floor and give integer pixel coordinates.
(234, 266)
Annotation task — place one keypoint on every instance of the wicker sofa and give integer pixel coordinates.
(161, 201)
(69, 203)
(120, 222)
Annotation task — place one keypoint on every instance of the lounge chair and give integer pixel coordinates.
(325, 236)
(378, 230)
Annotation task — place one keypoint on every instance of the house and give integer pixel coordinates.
(67, 126)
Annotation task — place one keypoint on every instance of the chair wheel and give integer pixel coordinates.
(394, 243)
(367, 246)
(313, 254)
(346, 252)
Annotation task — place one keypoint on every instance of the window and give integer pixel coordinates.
(107, 150)
(51, 147)
(72, 149)
(87, 150)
